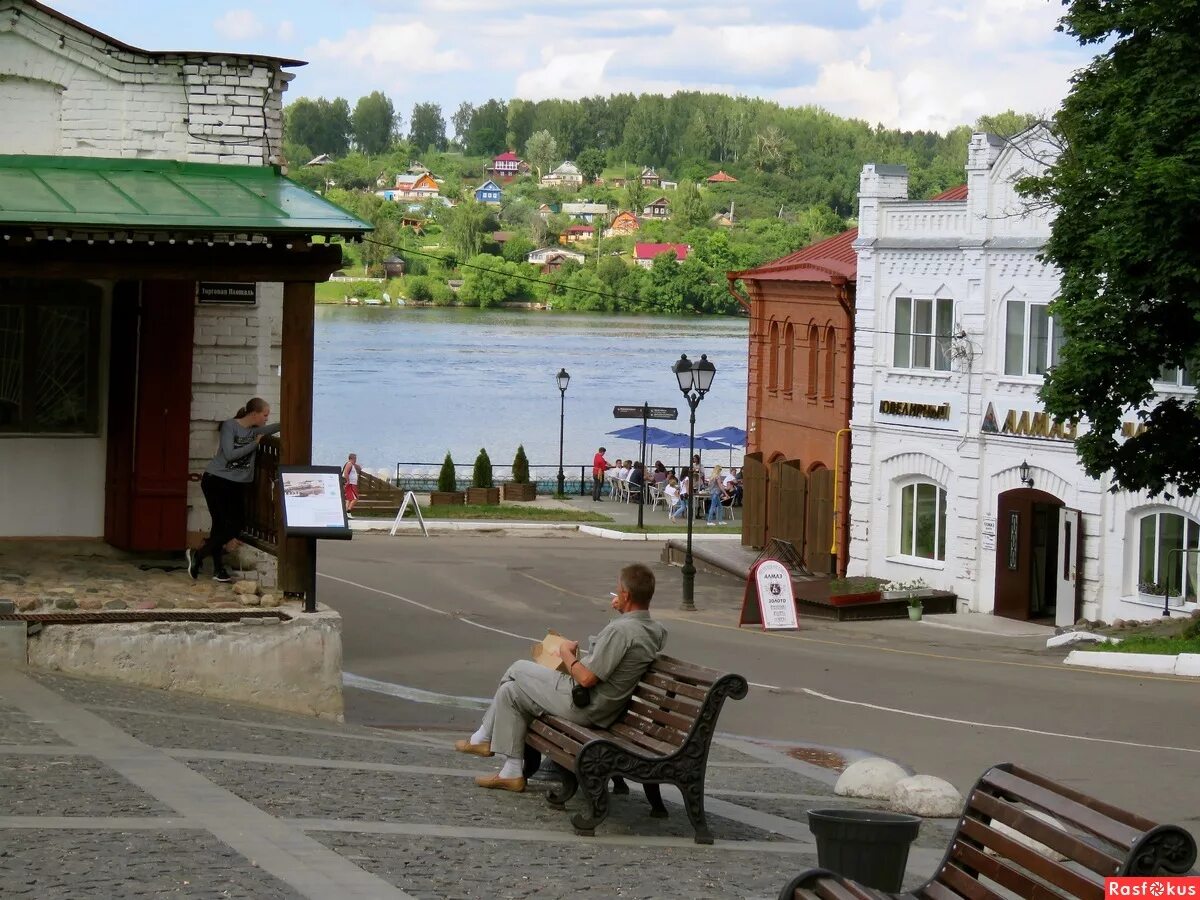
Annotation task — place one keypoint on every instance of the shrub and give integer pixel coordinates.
(419, 289)
(442, 294)
(482, 476)
(446, 480)
(520, 466)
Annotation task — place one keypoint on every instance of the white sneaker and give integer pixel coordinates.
(349, 515)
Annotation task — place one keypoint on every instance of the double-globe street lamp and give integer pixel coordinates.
(563, 380)
(695, 378)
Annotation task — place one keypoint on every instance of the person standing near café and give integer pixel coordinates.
(599, 467)
(227, 481)
(350, 472)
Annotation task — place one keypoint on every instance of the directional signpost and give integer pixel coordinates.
(645, 412)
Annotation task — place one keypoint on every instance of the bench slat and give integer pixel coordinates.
(674, 686)
(686, 671)
(832, 889)
(650, 746)
(1068, 845)
(640, 707)
(1124, 816)
(960, 882)
(566, 743)
(1003, 874)
(659, 698)
(1079, 883)
(580, 733)
(935, 890)
(670, 736)
(544, 747)
(1049, 800)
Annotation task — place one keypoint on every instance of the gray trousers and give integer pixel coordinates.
(527, 691)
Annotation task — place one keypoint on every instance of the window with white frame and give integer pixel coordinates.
(923, 521)
(1175, 376)
(1163, 567)
(921, 337)
(1032, 339)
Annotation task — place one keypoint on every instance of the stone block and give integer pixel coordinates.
(90, 603)
(115, 604)
(13, 643)
(245, 586)
(146, 604)
(928, 796)
(65, 603)
(270, 600)
(874, 778)
(27, 604)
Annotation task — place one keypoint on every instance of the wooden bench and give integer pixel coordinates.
(662, 738)
(1084, 841)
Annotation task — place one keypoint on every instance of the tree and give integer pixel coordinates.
(374, 123)
(321, 125)
(541, 150)
(517, 247)
(689, 205)
(591, 163)
(466, 227)
(488, 129)
(447, 483)
(489, 281)
(461, 120)
(1125, 191)
(427, 128)
(1006, 124)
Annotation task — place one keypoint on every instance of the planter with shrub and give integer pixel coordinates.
(482, 491)
(447, 493)
(520, 488)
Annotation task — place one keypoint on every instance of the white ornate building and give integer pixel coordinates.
(958, 477)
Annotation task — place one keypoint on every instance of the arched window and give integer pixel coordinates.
(830, 360)
(923, 521)
(773, 357)
(814, 360)
(1159, 570)
(789, 353)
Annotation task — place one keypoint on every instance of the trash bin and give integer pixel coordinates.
(867, 845)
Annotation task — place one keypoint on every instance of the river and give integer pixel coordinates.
(408, 384)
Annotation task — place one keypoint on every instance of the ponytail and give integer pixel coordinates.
(254, 404)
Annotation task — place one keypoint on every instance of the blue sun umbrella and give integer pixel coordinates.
(680, 442)
(654, 435)
(732, 435)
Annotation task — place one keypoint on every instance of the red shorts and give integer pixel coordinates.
(351, 492)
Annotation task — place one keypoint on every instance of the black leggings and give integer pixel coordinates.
(227, 506)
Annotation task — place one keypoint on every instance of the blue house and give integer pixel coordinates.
(488, 192)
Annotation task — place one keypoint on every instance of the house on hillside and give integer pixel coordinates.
(551, 259)
(323, 160)
(488, 192)
(506, 166)
(566, 175)
(585, 212)
(625, 223)
(421, 186)
(644, 254)
(136, 321)
(659, 209)
(669, 185)
(649, 178)
(576, 233)
(721, 178)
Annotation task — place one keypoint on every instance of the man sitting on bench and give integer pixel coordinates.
(623, 652)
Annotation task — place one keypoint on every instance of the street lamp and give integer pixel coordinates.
(695, 378)
(563, 380)
(1026, 478)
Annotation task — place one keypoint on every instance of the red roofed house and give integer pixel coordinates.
(507, 166)
(799, 392)
(645, 254)
(721, 178)
(625, 223)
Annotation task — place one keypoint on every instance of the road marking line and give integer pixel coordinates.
(1058, 734)
(556, 587)
(414, 694)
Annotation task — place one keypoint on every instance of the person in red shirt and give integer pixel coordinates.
(599, 467)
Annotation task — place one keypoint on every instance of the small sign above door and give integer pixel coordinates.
(237, 293)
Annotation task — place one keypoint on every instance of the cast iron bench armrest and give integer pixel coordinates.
(1079, 840)
(663, 737)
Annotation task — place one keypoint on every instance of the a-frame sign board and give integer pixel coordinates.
(769, 601)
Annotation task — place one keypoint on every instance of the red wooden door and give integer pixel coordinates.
(1015, 550)
(150, 429)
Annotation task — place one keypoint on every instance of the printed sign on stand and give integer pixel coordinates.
(769, 600)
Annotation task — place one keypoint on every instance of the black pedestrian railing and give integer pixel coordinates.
(423, 476)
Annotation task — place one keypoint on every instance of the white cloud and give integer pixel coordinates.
(571, 76)
(238, 25)
(405, 46)
(286, 30)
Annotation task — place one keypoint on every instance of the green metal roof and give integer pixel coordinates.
(91, 193)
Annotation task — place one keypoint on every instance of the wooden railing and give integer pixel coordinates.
(262, 515)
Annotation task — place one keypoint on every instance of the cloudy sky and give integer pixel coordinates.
(906, 63)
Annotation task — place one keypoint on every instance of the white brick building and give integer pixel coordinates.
(952, 341)
(134, 185)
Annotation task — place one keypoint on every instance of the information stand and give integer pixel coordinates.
(408, 495)
(769, 600)
(313, 509)
(644, 412)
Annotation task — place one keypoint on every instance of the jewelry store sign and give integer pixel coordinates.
(921, 411)
(1026, 423)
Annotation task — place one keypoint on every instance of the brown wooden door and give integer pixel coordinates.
(151, 425)
(754, 501)
(789, 487)
(1014, 550)
(122, 406)
(819, 517)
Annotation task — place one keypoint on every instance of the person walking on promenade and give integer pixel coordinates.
(717, 495)
(350, 472)
(227, 480)
(622, 653)
(599, 467)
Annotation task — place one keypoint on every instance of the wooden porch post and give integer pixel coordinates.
(297, 556)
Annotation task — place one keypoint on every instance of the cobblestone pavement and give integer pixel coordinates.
(108, 791)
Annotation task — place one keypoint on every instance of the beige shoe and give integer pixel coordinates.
(495, 782)
(484, 749)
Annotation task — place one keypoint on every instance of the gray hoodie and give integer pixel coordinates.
(234, 460)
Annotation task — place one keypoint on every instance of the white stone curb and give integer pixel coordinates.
(1153, 663)
(598, 531)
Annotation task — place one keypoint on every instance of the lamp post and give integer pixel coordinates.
(695, 378)
(563, 380)
(1026, 478)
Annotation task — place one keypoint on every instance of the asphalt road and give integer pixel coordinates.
(447, 614)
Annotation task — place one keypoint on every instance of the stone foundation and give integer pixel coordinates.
(293, 666)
